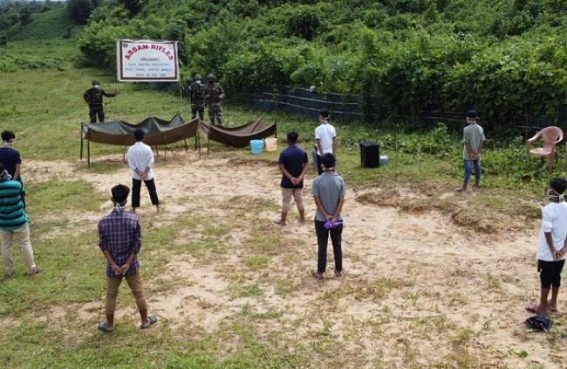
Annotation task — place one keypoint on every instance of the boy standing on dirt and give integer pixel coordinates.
(473, 142)
(325, 138)
(141, 160)
(14, 224)
(552, 246)
(328, 191)
(293, 165)
(120, 240)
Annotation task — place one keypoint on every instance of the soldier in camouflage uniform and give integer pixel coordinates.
(213, 96)
(196, 91)
(93, 97)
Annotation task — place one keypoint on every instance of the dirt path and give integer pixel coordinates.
(417, 289)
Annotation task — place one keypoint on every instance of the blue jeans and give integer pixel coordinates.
(468, 170)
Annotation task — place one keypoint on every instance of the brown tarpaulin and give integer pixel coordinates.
(161, 132)
(239, 136)
(157, 131)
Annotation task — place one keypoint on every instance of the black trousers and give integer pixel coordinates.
(136, 187)
(95, 110)
(323, 240)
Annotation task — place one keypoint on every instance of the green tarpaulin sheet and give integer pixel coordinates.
(157, 131)
(160, 132)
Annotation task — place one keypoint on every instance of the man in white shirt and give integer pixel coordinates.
(141, 161)
(325, 138)
(552, 247)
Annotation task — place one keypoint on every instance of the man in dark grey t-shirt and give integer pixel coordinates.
(328, 191)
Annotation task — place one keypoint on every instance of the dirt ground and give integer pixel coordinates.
(418, 291)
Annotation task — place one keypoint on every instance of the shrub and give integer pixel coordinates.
(304, 22)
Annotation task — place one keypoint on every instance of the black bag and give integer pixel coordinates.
(539, 322)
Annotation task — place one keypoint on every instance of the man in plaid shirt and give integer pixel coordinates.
(120, 239)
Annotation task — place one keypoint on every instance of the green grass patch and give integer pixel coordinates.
(60, 196)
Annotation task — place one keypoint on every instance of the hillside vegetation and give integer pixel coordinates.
(427, 270)
(505, 57)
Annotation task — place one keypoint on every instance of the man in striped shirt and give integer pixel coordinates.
(14, 226)
(120, 240)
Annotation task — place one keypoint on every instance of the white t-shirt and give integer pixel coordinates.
(140, 156)
(554, 221)
(325, 133)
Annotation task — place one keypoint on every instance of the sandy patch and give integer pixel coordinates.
(417, 289)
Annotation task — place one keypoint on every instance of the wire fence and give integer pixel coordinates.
(308, 102)
(352, 107)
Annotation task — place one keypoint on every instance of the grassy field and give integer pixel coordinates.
(50, 321)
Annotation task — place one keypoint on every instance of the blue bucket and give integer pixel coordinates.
(256, 146)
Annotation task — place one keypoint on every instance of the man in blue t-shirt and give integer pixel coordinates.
(293, 165)
(11, 158)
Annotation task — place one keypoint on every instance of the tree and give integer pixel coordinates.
(80, 10)
(133, 6)
(25, 16)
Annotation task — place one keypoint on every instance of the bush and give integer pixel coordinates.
(420, 55)
(98, 43)
(304, 22)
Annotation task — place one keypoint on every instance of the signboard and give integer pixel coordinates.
(147, 61)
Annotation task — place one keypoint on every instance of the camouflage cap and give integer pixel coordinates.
(95, 82)
(211, 77)
(197, 76)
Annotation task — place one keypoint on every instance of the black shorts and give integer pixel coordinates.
(550, 273)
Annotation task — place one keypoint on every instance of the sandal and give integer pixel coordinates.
(34, 270)
(534, 308)
(152, 319)
(104, 328)
(317, 275)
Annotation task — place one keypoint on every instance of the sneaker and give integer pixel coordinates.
(35, 270)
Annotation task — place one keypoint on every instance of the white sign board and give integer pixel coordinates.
(147, 61)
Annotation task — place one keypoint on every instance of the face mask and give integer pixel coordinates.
(198, 81)
(553, 196)
(97, 86)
